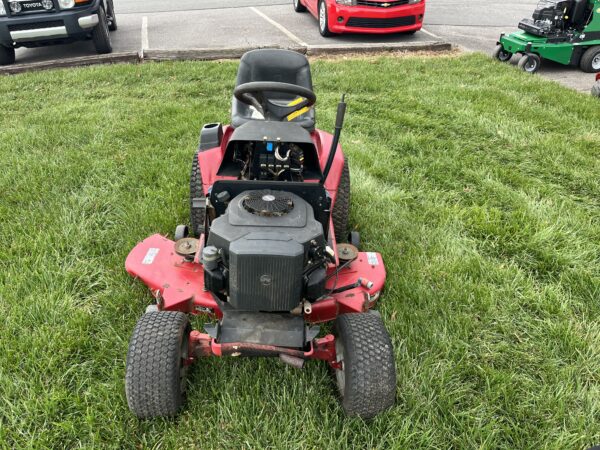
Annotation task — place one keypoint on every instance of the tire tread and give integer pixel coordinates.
(152, 381)
(370, 371)
(341, 207)
(197, 215)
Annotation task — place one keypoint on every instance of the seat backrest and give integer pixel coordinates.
(284, 66)
(269, 64)
(578, 13)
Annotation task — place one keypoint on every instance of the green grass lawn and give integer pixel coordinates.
(478, 184)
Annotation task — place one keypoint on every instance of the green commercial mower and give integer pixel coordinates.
(564, 31)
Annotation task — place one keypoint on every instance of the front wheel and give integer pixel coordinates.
(100, 34)
(111, 16)
(156, 370)
(367, 378)
(298, 6)
(530, 63)
(590, 61)
(7, 55)
(500, 54)
(324, 20)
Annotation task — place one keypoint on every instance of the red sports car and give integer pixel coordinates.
(365, 16)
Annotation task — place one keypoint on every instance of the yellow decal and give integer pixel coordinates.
(295, 114)
(295, 101)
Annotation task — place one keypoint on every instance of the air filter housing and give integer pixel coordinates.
(268, 203)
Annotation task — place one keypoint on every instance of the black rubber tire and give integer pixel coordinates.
(299, 7)
(155, 375)
(530, 63)
(596, 89)
(500, 54)
(341, 208)
(181, 232)
(112, 17)
(324, 30)
(590, 58)
(197, 215)
(7, 55)
(368, 384)
(354, 239)
(100, 35)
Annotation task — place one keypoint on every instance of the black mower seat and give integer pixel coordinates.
(578, 13)
(283, 66)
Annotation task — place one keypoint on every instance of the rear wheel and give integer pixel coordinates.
(299, 7)
(324, 20)
(197, 199)
(341, 207)
(7, 55)
(500, 54)
(100, 34)
(367, 378)
(590, 61)
(530, 63)
(155, 372)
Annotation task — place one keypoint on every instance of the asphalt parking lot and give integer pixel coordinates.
(190, 24)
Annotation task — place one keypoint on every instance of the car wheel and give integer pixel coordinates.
(590, 61)
(366, 379)
(155, 367)
(100, 34)
(530, 63)
(298, 6)
(324, 20)
(7, 55)
(111, 17)
(500, 54)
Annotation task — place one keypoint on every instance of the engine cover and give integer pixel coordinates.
(265, 238)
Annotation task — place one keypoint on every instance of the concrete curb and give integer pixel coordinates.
(211, 54)
(112, 58)
(334, 49)
(206, 54)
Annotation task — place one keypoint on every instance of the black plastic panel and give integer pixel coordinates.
(281, 330)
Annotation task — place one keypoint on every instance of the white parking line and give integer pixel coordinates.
(144, 34)
(283, 29)
(430, 33)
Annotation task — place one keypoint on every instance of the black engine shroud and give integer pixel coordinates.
(270, 249)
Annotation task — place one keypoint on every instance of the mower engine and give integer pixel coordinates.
(549, 18)
(266, 253)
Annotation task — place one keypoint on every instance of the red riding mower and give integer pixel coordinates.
(269, 257)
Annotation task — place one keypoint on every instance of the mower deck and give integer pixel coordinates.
(178, 284)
